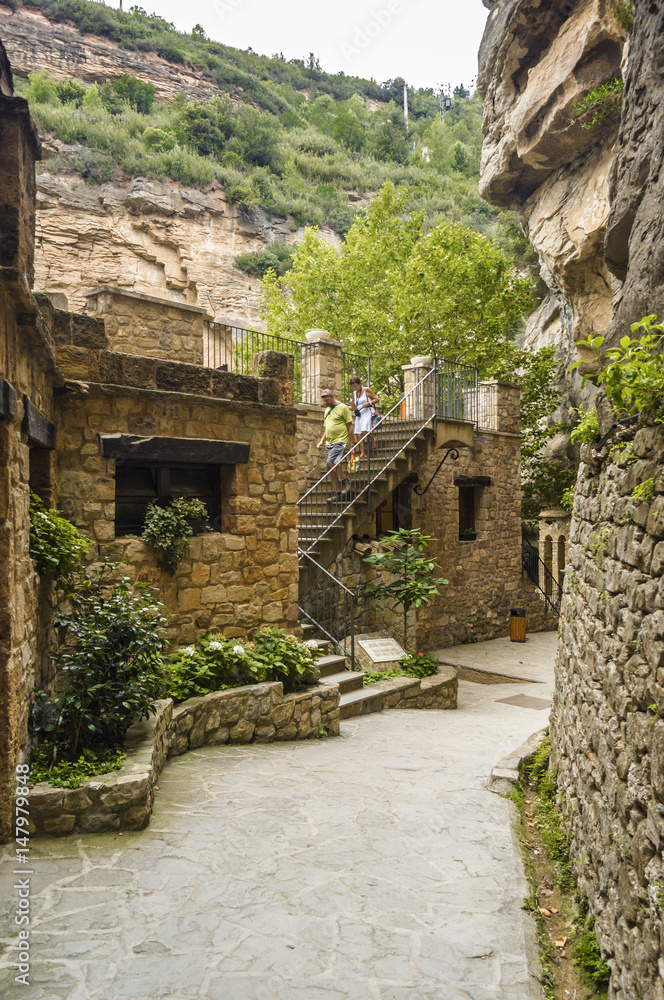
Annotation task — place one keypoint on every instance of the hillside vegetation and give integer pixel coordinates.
(282, 135)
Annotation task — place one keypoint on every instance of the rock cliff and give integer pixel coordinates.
(538, 58)
(156, 237)
(592, 206)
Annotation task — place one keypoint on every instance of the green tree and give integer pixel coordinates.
(348, 131)
(412, 575)
(136, 93)
(388, 139)
(392, 290)
(205, 126)
(256, 136)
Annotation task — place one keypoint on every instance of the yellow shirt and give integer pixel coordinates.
(336, 420)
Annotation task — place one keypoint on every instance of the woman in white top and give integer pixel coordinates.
(363, 403)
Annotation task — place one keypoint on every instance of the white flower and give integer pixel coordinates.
(188, 650)
(215, 645)
(238, 650)
(311, 643)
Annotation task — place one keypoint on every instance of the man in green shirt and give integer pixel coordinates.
(339, 431)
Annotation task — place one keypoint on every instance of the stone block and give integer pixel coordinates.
(242, 732)
(60, 825)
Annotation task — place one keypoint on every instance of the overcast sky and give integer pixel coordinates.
(429, 42)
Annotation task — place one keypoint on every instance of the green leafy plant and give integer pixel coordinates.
(587, 428)
(413, 581)
(645, 491)
(633, 372)
(419, 665)
(276, 257)
(588, 957)
(56, 546)
(109, 660)
(167, 529)
(215, 663)
(600, 104)
(284, 658)
(567, 498)
(624, 11)
(212, 664)
(72, 773)
(374, 676)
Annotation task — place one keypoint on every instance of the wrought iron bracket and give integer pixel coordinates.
(421, 490)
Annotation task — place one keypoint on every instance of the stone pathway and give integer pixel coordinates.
(373, 866)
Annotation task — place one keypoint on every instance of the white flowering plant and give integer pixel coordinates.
(215, 663)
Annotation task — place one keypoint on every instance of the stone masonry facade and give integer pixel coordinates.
(607, 723)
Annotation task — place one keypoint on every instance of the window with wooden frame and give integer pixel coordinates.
(139, 483)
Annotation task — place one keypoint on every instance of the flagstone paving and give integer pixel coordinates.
(373, 865)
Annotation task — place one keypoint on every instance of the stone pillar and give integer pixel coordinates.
(279, 367)
(500, 407)
(417, 405)
(322, 366)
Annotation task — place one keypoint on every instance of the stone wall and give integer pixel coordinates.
(607, 731)
(28, 373)
(149, 326)
(123, 799)
(234, 578)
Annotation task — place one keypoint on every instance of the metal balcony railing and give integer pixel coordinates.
(328, 604)
(232, 348)
(540, 574)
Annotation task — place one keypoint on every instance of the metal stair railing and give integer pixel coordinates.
(320, 510)
(540, 574)
(328, 604)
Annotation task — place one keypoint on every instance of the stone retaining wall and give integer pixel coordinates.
(438, 691)
(123, 799)
(607, 721)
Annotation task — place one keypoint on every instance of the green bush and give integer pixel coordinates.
(600, 104)
(70, 92)
(283, 658)
(276, 256)
(215, 663)
(45, 766)
(56, 546)
(419, 665)
(109, 660)
(167, 529)
(589, 959)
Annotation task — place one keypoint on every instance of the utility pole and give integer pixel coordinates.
(405, 103)
(445, 101)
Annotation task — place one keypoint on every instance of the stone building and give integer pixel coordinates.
(98, 421)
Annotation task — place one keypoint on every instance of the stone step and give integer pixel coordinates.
(360, 702)
(348, 680)
(331, 664)
(308, 630)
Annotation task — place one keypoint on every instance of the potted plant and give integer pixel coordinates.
(467, 535)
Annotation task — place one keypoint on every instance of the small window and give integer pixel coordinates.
(138, 485)
(467, 531)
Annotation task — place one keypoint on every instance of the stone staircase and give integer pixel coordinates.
(334, 670)
(326, 523)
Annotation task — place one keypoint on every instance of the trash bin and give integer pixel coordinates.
(518, 625)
